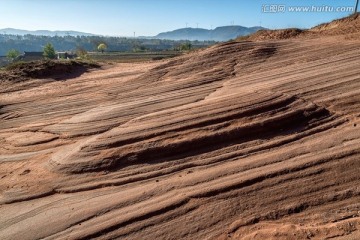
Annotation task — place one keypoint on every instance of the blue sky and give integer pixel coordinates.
(149, 17)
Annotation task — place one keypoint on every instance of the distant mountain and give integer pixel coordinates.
(218, 34)
(14, 31)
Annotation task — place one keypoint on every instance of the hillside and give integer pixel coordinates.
(218, 34)
(242, 140)
(347, 27)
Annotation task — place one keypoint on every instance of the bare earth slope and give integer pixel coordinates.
(347, 27)
(244, 140)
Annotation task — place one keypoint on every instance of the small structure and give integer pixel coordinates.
(66, 55)
(32, 56)
(35, 56)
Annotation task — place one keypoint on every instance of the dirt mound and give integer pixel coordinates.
(45, 69)
(348, 26)
(345, 25)
(275, 34)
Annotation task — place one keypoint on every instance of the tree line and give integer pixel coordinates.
(91, 43)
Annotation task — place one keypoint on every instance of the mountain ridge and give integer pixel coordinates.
(223, 33)
(14, 31)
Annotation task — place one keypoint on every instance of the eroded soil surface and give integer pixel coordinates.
(243, 140)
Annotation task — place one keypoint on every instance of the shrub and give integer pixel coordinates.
(12, 54)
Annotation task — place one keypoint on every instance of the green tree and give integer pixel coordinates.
(49, 51)
(102, 47)
(12, 54)
(186, 46)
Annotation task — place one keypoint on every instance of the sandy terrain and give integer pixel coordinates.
(243, 140)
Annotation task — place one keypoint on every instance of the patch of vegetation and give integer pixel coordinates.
(90, 43)
(82, 54)
(12, 54)
(186, 46)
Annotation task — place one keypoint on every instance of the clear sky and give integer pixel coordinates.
(149, 17)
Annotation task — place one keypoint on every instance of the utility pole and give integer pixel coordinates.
(186, 25)
(134, 35)
(356, 6)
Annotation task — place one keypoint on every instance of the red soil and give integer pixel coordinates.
(243, 140)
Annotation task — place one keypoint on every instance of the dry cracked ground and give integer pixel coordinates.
(243, 140)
